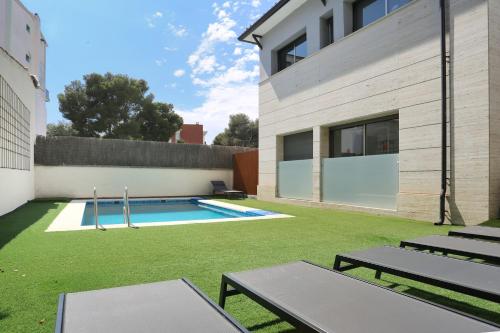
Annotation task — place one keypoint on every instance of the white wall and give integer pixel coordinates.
(78, 181)
(17, 186)
(17, 41)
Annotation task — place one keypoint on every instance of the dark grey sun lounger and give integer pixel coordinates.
(316, 299)
(486, 233)
(171, 306)
(479, 280)
(471, 248)
(220, 188)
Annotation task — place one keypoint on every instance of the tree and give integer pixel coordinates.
(117, 106)
(241, 131)
(61, 129)
(158, 121)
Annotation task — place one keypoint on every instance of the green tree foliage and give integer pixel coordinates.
(117, 106)
(158, 122)
(241, 131)
(61, 129)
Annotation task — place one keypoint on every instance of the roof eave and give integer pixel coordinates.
(249, 31)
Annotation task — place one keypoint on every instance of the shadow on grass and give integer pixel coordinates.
(452, 303)
(492, 223)
(14, 223)
(3, 314)
(265, 324)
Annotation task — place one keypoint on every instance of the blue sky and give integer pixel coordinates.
(186, 50)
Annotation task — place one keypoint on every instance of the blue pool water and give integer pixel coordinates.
(145, 211)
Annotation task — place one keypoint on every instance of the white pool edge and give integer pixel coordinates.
(70, 218)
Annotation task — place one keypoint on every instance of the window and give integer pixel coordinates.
(28, 28)
(370, 138)
(368, 11)
(348, 142)
(382, 137)
(298, 146)
(15, 147)
(326, 31)
(292, 53)
(392, 5)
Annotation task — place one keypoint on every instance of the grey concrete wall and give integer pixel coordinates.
(105, 152)
(391, 66)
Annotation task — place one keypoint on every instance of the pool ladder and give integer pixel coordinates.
(126, 210)
(96, 212)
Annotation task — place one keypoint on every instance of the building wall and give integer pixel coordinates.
(17, 186)
(391, 66)
(18, 42)
(190, 133)
(78, 181)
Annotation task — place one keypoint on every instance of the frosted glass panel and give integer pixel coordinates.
(295, 179)
(369, 181)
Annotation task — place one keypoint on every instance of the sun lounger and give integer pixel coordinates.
(471, 248)
(171, 306)
(220, 188)
(475, 279)
(486, 233)
(316, 299)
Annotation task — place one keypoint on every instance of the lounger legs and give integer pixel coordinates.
(222, 294)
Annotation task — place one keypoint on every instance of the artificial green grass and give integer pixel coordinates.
(36, 266)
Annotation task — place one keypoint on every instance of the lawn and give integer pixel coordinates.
(36, 266)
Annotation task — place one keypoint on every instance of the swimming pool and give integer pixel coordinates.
(151, 211)
(79, 214)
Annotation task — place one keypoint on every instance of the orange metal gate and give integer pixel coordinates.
(246, 171)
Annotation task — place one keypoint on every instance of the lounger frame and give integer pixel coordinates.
(379, 269)
(301, 323)
(445, 251)
(238, 326)
(458, 233)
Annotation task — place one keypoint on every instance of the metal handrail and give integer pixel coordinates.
(96, 212)
(126, 209)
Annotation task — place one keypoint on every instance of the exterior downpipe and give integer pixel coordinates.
(444, 162)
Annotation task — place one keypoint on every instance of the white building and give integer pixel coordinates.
(21, 37)
(22, 101)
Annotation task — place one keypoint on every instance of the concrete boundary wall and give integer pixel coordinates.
(78, 181)
(109, 152)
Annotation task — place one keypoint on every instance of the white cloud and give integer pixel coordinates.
(220, 102)
(177, 30)
(179, 73)
(170, 49)
(205, 65)
(256, 3)
(151, 20)
(160, 62)
(228, 85)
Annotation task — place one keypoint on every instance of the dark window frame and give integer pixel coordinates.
(282, 52)
(305, 139)
(326, 31)
(364, 123)
(356, 25)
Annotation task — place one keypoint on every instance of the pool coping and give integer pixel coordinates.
(70, 218)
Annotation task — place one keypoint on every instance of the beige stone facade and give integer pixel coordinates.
(392, 66)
